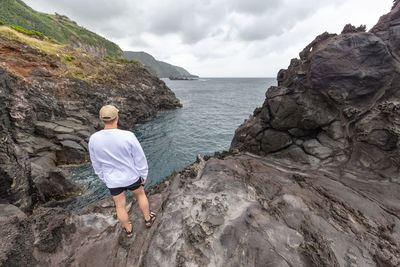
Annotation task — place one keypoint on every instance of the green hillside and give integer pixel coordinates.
(159, 68)
(59, 27)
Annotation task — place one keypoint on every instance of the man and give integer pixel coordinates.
(119, 161)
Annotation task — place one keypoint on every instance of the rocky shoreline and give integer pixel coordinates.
(49, 108)
(311, 179)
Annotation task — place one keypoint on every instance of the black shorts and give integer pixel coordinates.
(118, 190)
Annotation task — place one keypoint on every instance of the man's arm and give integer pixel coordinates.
(139, 158)
(95, 163)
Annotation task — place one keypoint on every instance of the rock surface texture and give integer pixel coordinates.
(311, 179)
(247, 210)
(47, 116)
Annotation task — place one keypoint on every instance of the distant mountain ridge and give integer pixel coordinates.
(58, 27)
(159, 68)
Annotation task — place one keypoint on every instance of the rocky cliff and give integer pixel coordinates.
(311, 179)
(50, 95)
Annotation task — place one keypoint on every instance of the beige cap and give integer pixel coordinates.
(108, 113)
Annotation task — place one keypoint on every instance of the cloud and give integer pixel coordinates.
(255, 7)
(192, 20)
(217, 37)
(88, 10)
(277, 20)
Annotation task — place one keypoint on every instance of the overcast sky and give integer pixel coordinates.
(217, 38)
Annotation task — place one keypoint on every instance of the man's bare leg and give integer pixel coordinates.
(122, 214)
(143, 202)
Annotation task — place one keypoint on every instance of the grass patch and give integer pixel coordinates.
(78, 72)
(69, 58)
(79, 69)
(77, 76)
(26, 31)
(1, 22)
(45, 45)
(120, 60)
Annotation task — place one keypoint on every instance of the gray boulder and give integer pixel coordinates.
(8, 210)
(306, 111)
(345, 69)
(71, 153)
(55, 185)
(315, 148)
(273, 140)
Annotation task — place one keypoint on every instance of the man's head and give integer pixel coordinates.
(108, 114)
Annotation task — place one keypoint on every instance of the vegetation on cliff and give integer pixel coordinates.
(44, 44)
(22, 18)
(26, 31)
(59, 27)
(78, 65)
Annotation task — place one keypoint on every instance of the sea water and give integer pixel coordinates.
(212, 109)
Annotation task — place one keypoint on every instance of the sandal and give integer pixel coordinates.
(150, 221)
(129, 234)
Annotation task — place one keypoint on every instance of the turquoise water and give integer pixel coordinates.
(212, 109)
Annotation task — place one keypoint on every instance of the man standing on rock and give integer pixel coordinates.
(119, 161)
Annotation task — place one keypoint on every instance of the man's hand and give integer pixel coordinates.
(143, 181)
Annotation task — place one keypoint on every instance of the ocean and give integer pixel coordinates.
(212, 109)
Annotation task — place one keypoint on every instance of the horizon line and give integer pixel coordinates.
(232, 77)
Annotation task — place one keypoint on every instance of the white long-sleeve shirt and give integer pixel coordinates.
(117, 157)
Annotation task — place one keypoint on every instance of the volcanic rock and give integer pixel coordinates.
(246, 210)
(274, 140)
(7, 211)
(56, 237)
(316, 149)
(338, 102)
